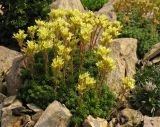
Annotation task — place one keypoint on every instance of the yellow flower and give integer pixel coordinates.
(40, 23)
(64, 52)
(102, 51)
(128, 82)
(43, 33)
(31, 48)
(57, 13)
(20, 36)
(31, 31)
(85, 83)
(57, 63)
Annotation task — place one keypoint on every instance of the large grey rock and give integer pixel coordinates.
(151, 121)
(56, 115)
(67, 4)
(92, 122)
(9, 68)
(125, 57)
(34, 108)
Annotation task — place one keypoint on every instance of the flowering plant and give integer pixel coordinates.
(64, 41)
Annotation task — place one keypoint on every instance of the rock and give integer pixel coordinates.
(153, 54)
(67, 4)
(9, 100)
(151, 121)
(34, 107)
(2, 97)
(13, 78)
(92, 122)
(125, 57)
(9, 120)
(130, 117)
(108, 10)
(1, 12)
(36, 116)
(6, 61)
(56, 115)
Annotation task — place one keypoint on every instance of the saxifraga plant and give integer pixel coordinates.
(74, 67)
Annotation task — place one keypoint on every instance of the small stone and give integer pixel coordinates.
(133, 117)
(34, 107)
(92, 122)
(9, 100)
(2, 97)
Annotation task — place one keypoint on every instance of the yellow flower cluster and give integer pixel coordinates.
(104, 62)
(31, 49)
(57, 63)
(31, 31)
(85, 82)
(64, 52)
(128, 82)
(20, 37)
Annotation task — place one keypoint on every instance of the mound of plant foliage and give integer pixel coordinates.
(93, 5)
(64, 62)
(140, 19)
(19, 14)
(146, 96)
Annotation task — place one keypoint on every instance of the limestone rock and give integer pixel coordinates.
(108, 10)
(125, 57)
(56, 115)
(9, 100)
(151, 121)
(92, 122)
(7, 58)
(36, 116)
(34, 108)
(130, 117)
(2, 97)
(13, 78)
(153, 54)
(67, 4)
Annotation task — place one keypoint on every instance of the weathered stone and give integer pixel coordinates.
(9, 120)
(36, 116)
(131, 117)
(92, 122)
(125, 57)
(56, 115)
(151, 121)
(108, 10)
(9, 100)
(153, 55)
(6, 61)
(67, 4)
(34, 107)
(2, 97)
(153, 52)
(13, 78)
